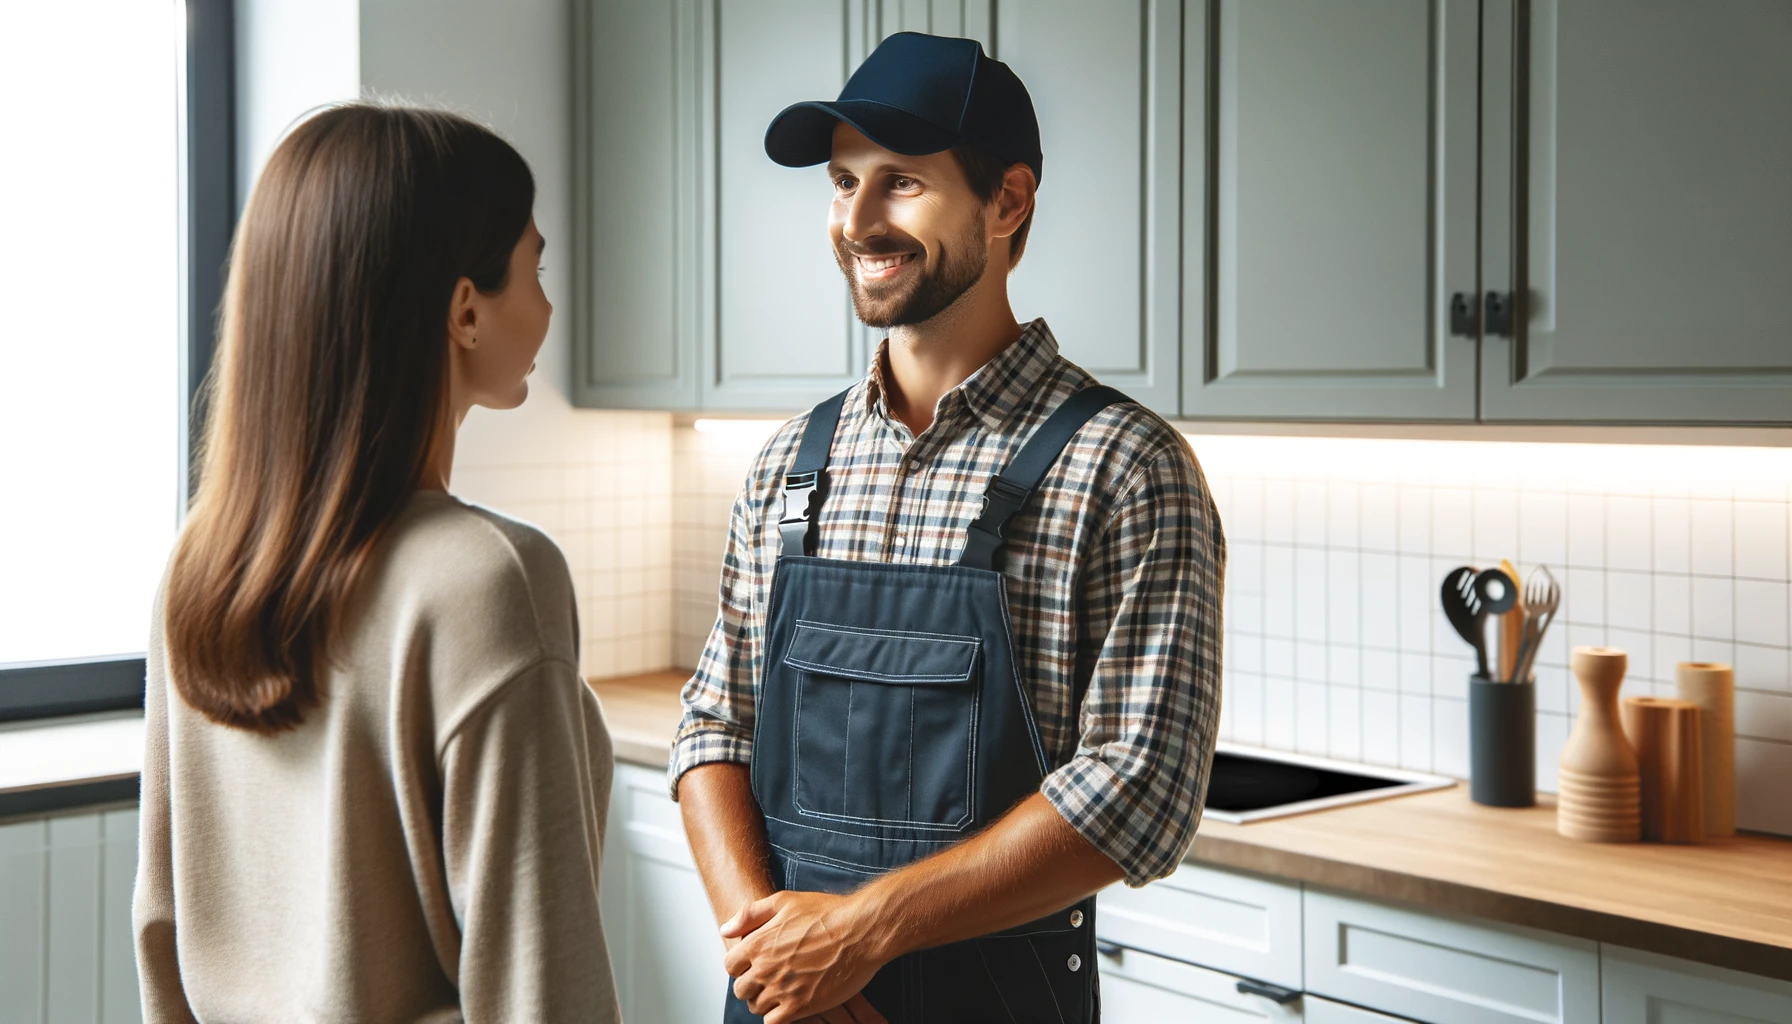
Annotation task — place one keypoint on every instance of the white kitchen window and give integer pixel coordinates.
(96, 381)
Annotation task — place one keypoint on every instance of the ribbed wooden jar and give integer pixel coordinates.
(1598, 786)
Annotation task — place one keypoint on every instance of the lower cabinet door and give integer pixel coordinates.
(1140, 988)
(1446, 970)
(1640, 986)
(657, 921)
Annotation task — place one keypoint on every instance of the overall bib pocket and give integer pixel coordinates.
(886, 723)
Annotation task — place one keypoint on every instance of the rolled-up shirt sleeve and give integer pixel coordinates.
(718, 700)
(1151, 593)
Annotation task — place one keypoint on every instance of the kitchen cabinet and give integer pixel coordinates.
(1102, 262)
(1444, 970)
(662, 936)
(1221, 919)
(1320, 1010)
(1637, 205)
(1141, 988)
(638, 249)
(67, 950)
(778, 330)
(1640, 986)
(1263, 210)
(1329, 166)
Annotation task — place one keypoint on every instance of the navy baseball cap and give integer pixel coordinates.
(917, 94)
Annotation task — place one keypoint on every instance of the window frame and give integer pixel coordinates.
(208, 212)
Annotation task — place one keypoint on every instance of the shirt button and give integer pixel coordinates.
(1075, 963)
(1076, 919)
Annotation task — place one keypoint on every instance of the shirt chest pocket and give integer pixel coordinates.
(886, 725)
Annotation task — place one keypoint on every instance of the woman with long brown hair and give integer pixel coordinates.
(374, 785)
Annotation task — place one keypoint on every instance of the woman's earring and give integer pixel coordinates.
(475, 341)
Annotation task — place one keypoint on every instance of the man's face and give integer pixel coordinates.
(909, 234)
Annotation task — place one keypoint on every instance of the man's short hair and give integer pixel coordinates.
(985, 171)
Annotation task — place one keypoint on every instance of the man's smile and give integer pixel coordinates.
(882, 268)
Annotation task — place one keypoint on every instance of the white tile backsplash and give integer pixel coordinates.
(1335, 641)
(1671, 553)
(600, 484)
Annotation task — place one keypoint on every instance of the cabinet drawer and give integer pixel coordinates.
(1220, 919)
(1642, 986)
(1139, 988)
(1445, 970)
(1320, 1010)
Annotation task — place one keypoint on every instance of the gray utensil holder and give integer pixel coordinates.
(1502, 742)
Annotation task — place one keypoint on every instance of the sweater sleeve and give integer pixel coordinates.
(152, 902)
(526, 788)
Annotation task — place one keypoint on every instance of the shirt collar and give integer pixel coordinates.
(996, 389)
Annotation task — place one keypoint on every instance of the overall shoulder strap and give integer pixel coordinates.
(806, 485)
(1010, 489)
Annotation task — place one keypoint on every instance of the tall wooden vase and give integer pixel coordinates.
(1713, 688)
(1599, 796)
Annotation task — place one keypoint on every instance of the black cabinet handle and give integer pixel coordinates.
(1273, 993)
(1111, 950)
(1499, 314)
(1462, 316)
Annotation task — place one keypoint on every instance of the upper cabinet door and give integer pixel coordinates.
(637, 248)
(1639, 205)
(1329, 164)
(1101, 262)
(778, 330)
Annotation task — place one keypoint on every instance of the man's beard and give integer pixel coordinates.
(922, 294)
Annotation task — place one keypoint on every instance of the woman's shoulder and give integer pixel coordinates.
(481, 578)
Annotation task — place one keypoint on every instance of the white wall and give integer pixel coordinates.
(291, 56)
(599, 482)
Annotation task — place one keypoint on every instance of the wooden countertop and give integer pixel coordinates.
(1725, 902)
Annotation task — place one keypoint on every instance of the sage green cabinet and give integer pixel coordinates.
(778, 331)
(1329, 180)
(638, 247)
(1102, 258)
(1251, 209)
(1639, 205)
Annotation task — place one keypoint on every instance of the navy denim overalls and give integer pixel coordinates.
(892, 724)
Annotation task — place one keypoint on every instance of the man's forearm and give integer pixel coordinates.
(727, 835)
(1025, 866)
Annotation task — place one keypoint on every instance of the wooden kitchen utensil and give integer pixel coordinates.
(1598, 796)
(1511, 630)
(1713, 688)
(1665, 735)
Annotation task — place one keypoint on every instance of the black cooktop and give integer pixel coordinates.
(1242, 783)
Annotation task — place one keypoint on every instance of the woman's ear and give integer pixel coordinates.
(463, 315)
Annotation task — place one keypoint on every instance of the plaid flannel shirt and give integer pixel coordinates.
(1114, 574)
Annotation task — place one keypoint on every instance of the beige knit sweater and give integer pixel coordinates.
(426, 845)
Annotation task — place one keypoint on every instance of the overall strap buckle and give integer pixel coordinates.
(803, 495)
(1009, 490)
(989, 531)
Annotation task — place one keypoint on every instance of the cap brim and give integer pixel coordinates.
(802, 135)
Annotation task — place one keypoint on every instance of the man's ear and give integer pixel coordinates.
(1014, 203)
(463, 315)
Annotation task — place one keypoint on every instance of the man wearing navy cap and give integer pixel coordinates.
(966, 668)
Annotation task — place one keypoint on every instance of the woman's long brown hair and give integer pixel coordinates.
(330, 386)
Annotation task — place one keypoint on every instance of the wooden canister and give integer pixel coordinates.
(1665, 734)
(1598, 795)
(1713, 688)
